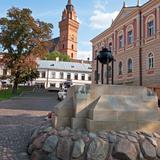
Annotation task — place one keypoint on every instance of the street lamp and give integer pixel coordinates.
(104, 57)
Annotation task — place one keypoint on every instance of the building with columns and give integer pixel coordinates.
(134, 39)
(68, 40)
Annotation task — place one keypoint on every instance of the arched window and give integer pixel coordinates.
(130, 35)
(110, 46)
(71, 55)
(130, 66)
(150, 25)
(120, 68)
(150, 28)
(121, 39)
(150, 61)
(72, 46)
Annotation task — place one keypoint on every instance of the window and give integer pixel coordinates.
(76, 76)
(68, 76)
(150, 28)
(150, 61)
(110, 46)
(61, 75)
(83, 77)
(120, 68)
(43, 74)
(63, 46)
(71, 55)
(72, 46)
(130, 68)
(53, 75)
(89, 78)
(130, 37)
(121, 41)
(52, 85)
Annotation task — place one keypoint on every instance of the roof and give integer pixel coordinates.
(54, 43)
(64, 66)
(124, 12)
(55, 40)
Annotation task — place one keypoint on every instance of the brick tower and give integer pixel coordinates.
(69, 31)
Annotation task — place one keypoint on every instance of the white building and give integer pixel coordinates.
(55, 73)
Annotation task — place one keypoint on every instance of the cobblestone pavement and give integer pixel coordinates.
(18, 117)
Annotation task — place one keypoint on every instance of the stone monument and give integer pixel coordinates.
(108, 107)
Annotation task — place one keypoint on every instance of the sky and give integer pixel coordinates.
(94, 16)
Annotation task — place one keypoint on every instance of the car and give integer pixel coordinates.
(62, 94)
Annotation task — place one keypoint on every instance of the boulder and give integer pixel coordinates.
(78, 148)
(125, 150)
(98, 149)
(158, 148)
(38, 142)
(148, 150)
(64, 148)
(50, 144)
(39, 155)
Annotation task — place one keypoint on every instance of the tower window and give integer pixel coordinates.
(63, 46)
(72, 46)
(71, 55)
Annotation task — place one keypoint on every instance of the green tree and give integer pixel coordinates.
(23, 40)
(53, 55)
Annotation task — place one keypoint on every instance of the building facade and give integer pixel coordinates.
(68, 40)
(55, 73)
(134, 39)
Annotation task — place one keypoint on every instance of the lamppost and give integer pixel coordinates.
(105, 57)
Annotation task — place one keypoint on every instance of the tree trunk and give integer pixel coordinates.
(14, 89)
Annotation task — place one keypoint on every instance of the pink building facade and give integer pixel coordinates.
(134, 38)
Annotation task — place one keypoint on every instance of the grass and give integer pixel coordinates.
(7, 93)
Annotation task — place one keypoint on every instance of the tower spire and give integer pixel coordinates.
(138, 2)
(124, 4)
(69, 2)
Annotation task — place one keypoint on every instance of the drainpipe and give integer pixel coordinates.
(140, 50)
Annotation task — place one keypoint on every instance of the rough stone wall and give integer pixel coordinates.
(48, 143)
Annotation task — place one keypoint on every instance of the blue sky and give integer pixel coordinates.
(94, 16)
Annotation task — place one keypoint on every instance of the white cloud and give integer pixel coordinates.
(100, 18)
(79, 20)
(100, 5)
(85, 43)
(84, 55)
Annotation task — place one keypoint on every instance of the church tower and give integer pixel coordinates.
(69, 31)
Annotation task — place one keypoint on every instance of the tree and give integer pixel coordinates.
(53, 55)
(23, 40)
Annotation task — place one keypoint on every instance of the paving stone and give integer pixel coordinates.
(18, 118)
